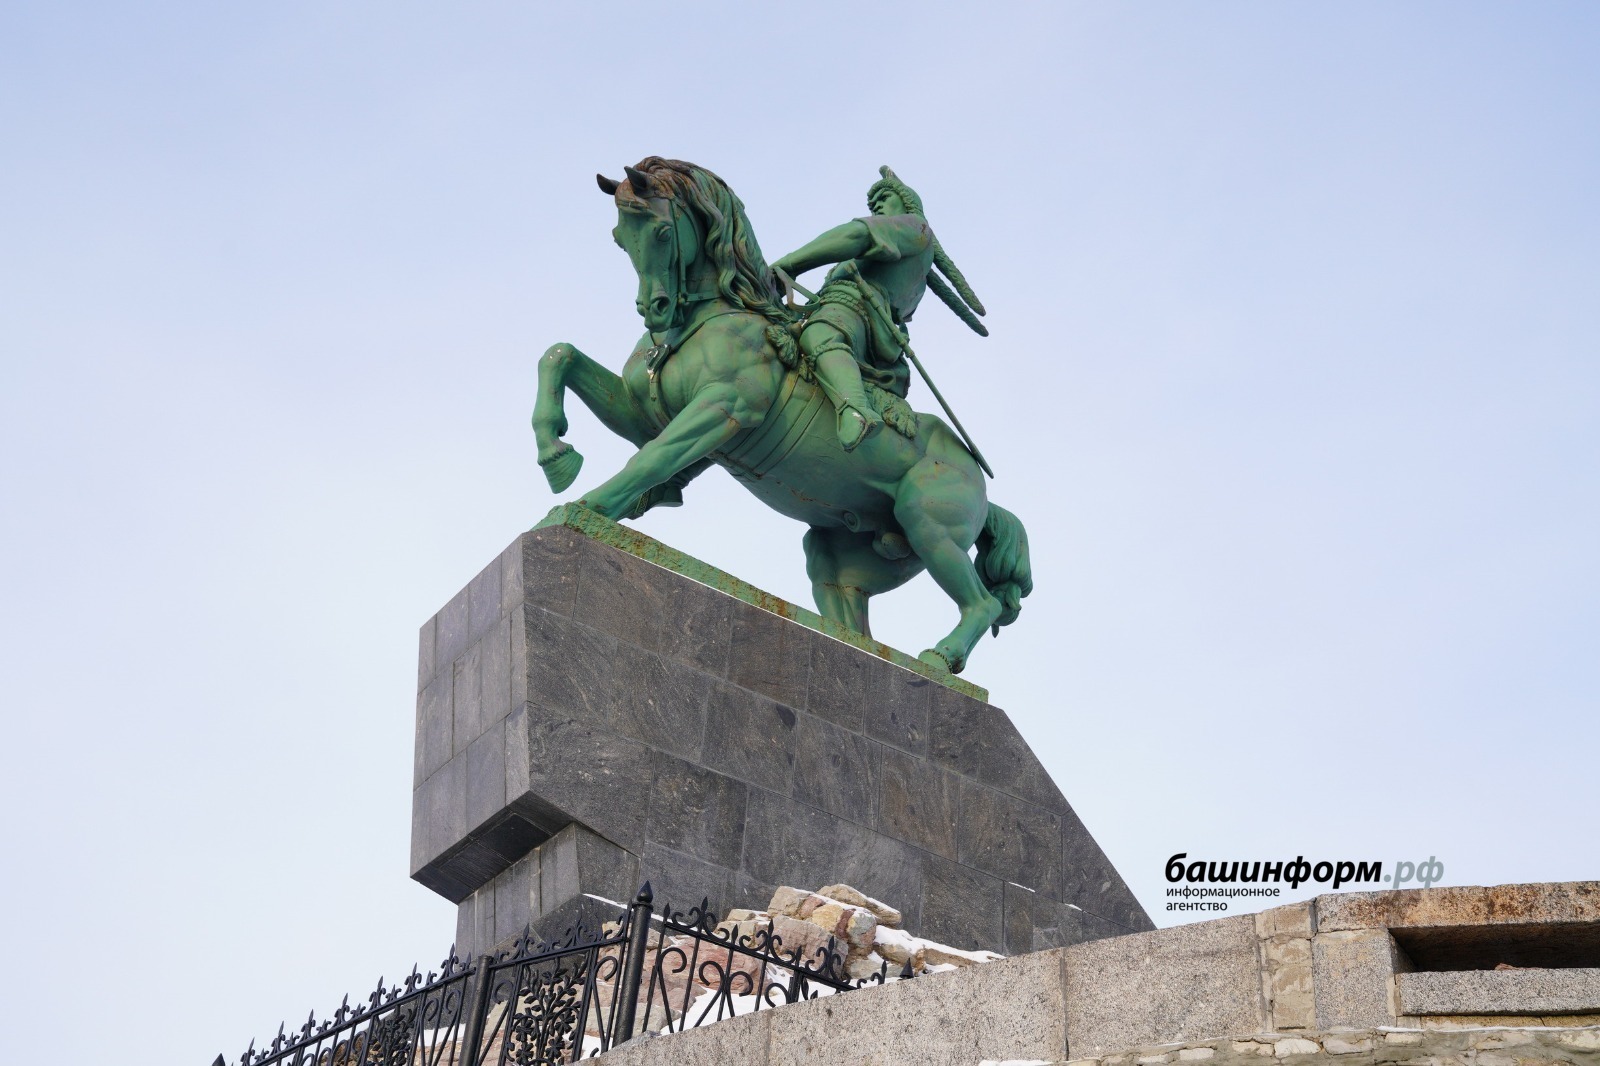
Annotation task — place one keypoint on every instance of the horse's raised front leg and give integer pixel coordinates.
(711, 419)
(561, 367)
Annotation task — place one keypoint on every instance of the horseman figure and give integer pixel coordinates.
(719, 378)
(855, 334)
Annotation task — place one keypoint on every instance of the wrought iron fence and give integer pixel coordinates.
(540, 1004)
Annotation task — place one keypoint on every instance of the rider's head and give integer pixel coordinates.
(891, 196)
(886, 202)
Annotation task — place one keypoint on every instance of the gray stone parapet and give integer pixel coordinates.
(1235, 991)
(1010, 1010)
(1010, 1013)
(1428, 958)
(696, 732)
(1536, 991)
(1492, 1046)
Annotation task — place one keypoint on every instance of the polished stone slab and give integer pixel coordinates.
(593, 691)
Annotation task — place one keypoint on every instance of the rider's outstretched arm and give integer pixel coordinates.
(835, 246)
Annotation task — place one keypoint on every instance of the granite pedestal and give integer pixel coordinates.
(596, 709)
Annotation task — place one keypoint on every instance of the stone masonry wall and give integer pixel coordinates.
(1019, 1012)
(1491, 1046)
(1356, 960)
(1230, 992)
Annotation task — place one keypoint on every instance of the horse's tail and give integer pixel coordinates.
(1003, 562)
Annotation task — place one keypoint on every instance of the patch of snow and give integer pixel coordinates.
(971, 957)
(899, 938)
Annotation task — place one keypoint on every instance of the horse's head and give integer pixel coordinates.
(689, 241)
(662, 240)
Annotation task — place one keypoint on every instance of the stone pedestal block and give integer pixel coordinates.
(596, 709)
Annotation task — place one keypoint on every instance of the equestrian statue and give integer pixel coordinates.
(804, 405)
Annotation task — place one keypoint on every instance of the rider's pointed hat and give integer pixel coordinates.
(891, 181)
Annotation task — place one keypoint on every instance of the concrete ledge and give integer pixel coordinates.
(1187, 982)
(1011, 1009)
(1251, 990)
(1500, 992)
(567, 880)
(957, 1020)
(1336, 964)
(1482, 1046)
(1536, 904)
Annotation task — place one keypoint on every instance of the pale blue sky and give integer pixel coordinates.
(1300, 300)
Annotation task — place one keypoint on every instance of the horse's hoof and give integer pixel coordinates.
(939, 661)
(891, 546)
(561, 469)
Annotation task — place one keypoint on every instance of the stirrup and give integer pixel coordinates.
(850, 438)
(665, 494)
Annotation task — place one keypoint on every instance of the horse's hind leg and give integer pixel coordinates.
(936, 509)
(561, 367)
(845, 572)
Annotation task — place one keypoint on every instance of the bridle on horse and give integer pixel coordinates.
(657, 354)
(682, 220)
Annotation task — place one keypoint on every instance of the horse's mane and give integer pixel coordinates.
(743, 277)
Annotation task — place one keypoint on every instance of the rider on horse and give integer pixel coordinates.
(855, 333)
(719, 376)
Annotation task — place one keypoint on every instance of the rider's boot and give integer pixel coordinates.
(856, 425)
(840, 379)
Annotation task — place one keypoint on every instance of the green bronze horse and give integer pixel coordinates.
(718, 378)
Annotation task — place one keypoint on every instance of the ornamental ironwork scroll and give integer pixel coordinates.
(542, 1003)
(703, 972)
(416, 1023)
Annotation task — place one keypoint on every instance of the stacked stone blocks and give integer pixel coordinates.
(1229, 992)
(1373, 1047)
(1510, 955)
(721, 749)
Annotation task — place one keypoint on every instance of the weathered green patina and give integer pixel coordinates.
(603, 529)
(857, 333)
(723, 376)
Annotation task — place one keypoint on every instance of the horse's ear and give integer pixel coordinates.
(640, 182)
(607, 186)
